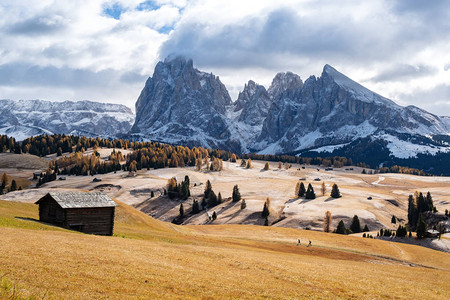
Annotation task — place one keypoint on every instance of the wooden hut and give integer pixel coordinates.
(89, 212)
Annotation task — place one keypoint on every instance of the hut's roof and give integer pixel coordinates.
(81, 199)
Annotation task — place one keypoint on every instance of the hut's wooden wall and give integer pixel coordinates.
(90, 220)
(51, 212)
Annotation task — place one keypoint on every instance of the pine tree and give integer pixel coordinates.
(355, 227)
(266, 221)
(341, 228)
(172, 188)
(208, 189)
(412, 213)
(429, 202)
(236, 194)
(335, 193)
(364, 171)
(214, 216)
(212, 199)
(152, 194)
(195, 207)
(280, 165)
(327, 223)
(181, 210)
(266, 166)
(301, 190)
(421, 227)
(366, 228)
(265, 212)
(393, 220)
(13, 186)
(243, 204)
(219, 198)
(243, 163)
(310, 192)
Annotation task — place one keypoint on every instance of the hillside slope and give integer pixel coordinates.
(213, 261)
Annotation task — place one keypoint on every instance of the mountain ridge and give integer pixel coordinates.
(289, 116)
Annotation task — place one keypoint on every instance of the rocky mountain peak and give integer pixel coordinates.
(284, 82)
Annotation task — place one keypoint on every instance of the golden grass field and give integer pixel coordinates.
(148, 258)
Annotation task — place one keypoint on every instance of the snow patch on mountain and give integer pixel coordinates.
(404, 149)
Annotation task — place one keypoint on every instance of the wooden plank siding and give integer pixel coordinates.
(91, 218)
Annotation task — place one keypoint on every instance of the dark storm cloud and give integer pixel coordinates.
(263, 43)
(403, 72)
(267, 41)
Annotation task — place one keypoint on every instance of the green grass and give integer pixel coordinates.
(22, 215)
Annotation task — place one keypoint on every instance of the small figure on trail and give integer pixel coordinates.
(299, 242)
(309, 244)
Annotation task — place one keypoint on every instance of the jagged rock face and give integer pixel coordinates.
(25, 118)
(333, 109)
(256, 105)
(180, 104)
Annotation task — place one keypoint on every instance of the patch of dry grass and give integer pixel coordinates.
(161, 260)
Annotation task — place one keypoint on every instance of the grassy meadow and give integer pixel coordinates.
(147, 258)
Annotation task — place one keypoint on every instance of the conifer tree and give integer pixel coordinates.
(335, 193)
(266, 221)
(233, 158)
(219, 198)
(5, 180)
(341, 228)
(421, 227)
(265, 212)
(412, 213)
(366, 228)
(214, 216)
(249, 164)
(13, 186)
(280, 165)
(243, 204)
(301, 190)
(236, 194)
(195, 207)
(327, 221)
(355, 227)
(297, 189)
(243, 163)
(152, 194)
(324, 188)
(266, 166)
(310, 192)
(393, 220)
(208, 189)
(181, 210)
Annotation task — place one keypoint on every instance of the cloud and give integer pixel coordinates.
(88, 48)
(403, 72)
(436, 99)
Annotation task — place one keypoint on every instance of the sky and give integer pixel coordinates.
(104, 50)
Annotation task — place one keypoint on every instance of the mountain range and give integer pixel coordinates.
(24, 118)
(180, 104)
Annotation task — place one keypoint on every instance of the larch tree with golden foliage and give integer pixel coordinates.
(266, 166)
(327, 221)
(324, 188)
